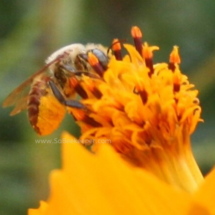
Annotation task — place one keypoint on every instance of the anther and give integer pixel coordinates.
(95, 92)
(143, 94)
(148, 56)
(90, 121)
(176, 82)
(91, 86)
(94, 62)
(81, 115)
(176, 87)
(117, 49)
(78, 88)
(137, 36)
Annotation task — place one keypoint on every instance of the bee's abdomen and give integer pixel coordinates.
(35, 94)
(45, 112)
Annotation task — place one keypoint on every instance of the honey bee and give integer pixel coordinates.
(50, 87)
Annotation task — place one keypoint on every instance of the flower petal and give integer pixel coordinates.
(206, 192)
(105, 184)
(40, 211)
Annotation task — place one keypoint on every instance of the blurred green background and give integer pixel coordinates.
(32, 30)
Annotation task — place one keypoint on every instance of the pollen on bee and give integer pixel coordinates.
(50, 115)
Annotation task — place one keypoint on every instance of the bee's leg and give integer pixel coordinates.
(68, 68)
(58, 95)
(75, 72)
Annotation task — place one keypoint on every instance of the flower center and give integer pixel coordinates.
(147, 111)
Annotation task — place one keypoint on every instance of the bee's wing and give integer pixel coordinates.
(17, 93)
(19, 96)
(20, 105)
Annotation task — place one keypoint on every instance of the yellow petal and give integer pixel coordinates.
(40, 211)
(105, 184)
(206, 192)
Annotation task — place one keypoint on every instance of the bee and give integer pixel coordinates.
(50, 87)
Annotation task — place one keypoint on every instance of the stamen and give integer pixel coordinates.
(81, 115)
(95, 91)
(116, 46)
(94, 62)
(176, 87)
(78, 88)
(144, 96)
(91, 85)
(148, 55)
(122, 146)
(90, 121)
(142, 92)
(174, 58)
(137, 36)
(176, 82)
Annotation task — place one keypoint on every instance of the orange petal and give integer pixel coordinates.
(105, 184)
(40, 211)
(206, 192)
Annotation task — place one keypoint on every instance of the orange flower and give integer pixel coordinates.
(146, 112)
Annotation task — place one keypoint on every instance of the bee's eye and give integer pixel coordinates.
(103, 58)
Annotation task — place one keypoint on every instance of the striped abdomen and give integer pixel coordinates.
(38, 89)
(45, 112)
